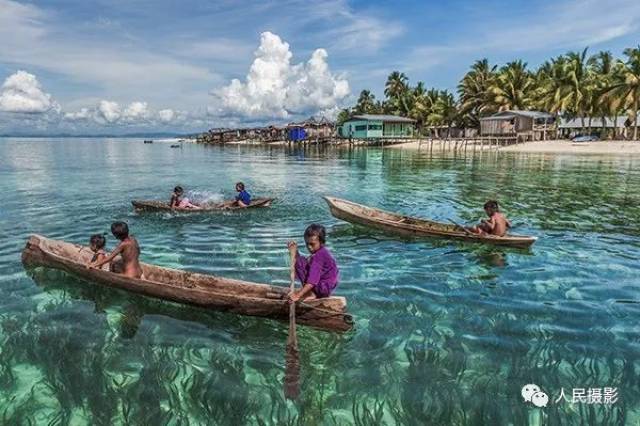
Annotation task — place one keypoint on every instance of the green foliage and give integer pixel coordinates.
(573, 85)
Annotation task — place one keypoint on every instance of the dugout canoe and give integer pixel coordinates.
(398, 224)
(161, 206)
(207, 291)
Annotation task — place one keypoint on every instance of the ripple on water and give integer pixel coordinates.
(444, 331)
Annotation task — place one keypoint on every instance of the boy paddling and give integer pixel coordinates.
(497, 224)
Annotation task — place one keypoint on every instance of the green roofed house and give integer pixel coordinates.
(374, 126)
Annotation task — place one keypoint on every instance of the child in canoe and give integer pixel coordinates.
(178, 202)
(497, 224)
(317, 273)
(97, 243)
(243, 199)
(128, 249)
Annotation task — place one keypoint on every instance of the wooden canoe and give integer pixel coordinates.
(240, 297)
(414, 227)
(161, 206)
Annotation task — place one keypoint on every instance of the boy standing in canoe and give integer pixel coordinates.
(497, 224)
(318, 273)
(128, 249)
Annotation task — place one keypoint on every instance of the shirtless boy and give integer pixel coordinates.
(497, 224)
(128, 249)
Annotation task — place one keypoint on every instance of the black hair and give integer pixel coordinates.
(98, 240)
(120, 230)
(178, 189)
(491, 204)
(317, 230)
(240, 185)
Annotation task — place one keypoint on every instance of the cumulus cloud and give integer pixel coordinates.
(135, 113)
(108, 111)
(166, 115)
(276, 88)
(21, 92)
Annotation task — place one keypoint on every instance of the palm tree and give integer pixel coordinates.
(578, 84)
(551, 88)
(513, 87)
(343, 116)
(445, 111)
(366, 103)
(625, 89)
(474, 92)
(397, 92)
(602, 67)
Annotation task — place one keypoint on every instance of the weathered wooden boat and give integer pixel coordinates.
(398, 224)
(157, 206)
(208, 291)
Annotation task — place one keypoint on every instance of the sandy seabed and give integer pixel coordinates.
(552, 146)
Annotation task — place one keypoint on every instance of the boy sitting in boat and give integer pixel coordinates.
(96, 244)
(497, 224)
(317, 273)
(178, 202)
(128, 249)
(243, 199)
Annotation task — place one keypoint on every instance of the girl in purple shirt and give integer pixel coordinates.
(318, 273)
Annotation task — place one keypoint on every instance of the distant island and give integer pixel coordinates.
(124, 135)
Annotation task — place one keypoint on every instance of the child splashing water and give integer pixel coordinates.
(177, 201)
(128, 249)
(317, 273)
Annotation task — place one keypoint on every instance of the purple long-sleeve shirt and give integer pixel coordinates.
(319, 270)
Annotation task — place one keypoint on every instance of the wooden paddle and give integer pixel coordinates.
(292, 362)
(465, 230)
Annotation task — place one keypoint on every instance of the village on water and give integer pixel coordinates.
(270, 213)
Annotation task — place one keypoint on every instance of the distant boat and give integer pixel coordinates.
(148, 141)
(175, 146)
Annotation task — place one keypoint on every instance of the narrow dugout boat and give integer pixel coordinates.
(240, 297)
(161, 206)
(414, 227)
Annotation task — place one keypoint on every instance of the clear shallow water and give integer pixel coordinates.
(446, 333)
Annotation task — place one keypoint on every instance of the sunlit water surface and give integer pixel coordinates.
(445, 332)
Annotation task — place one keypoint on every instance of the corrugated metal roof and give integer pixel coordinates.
(383, 117)
(513, 113)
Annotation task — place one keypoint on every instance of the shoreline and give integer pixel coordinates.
(557, 146)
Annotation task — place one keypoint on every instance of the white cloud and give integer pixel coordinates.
(276, 88)
(137, 111)
(166, 115)
(21, 92)
(83, 114)
(35, 37)
(108, 111)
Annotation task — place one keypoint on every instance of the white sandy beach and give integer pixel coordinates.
(550, 147)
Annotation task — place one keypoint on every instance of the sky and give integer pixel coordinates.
(132, 66)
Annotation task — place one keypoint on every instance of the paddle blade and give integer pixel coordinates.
(292, 373)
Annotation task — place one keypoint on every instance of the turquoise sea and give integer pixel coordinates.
(446, 333)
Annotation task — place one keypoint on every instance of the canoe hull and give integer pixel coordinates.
(207, 291)
(160, 206)
(396, 224)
